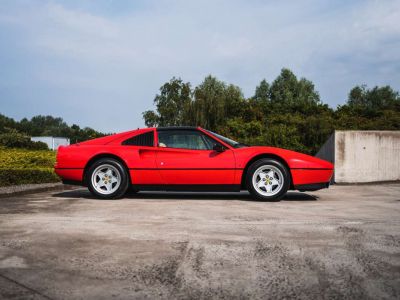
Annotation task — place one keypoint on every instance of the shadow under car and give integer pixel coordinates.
(212, 196)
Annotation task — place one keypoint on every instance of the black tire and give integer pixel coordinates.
(267, 162)
(123, 173)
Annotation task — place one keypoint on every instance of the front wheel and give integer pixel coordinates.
(267, 179)
(107, 178)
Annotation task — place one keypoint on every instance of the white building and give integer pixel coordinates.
(51, 141)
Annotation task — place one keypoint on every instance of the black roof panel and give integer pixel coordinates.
(177, 128)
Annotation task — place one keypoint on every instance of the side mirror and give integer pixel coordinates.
(218, 148)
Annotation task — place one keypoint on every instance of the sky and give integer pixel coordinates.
(101, 63)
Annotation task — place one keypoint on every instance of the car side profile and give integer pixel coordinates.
(187, 159)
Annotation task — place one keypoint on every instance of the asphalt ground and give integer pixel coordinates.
(339, 243)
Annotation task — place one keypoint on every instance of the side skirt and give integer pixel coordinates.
(311, 187)
(188, 187)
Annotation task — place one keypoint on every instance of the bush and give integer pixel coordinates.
(15, 139)
(26, 159)
(37, 145)
(24, 176)
(21, 166)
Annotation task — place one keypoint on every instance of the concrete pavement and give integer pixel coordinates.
(343, 242)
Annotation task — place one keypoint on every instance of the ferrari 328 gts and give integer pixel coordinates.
(187, 159)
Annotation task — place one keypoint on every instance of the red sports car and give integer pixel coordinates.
(189, 159)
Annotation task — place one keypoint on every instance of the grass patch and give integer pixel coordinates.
(21, 166)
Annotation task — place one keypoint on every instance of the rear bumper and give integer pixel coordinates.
(70, 174)
(311, 186)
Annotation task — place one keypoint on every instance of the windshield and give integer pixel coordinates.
(230, 142)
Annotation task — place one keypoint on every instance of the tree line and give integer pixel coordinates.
(16, 134)
(286, 113)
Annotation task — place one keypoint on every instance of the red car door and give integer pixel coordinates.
(186, 156)
(139, 152)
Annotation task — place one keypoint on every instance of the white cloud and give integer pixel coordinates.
(128, 55)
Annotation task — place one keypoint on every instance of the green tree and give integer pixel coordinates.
(215, 102)
(262, 93)
(47, 126)
(6, 123)
(14, 139)
(291, 95)
(377, 98)
(209, 103)
(172, 104)
(151, 118)
(288, 113)
(370, 109)
(251, 133)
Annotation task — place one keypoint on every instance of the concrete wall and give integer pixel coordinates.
(327, 150)
(363, 156)
(367, 156)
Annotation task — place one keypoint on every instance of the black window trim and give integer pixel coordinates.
(202, 135)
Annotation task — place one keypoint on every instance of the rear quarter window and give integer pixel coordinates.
(144, 139)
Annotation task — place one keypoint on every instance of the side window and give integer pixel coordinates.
(144, 139)
(186, 139)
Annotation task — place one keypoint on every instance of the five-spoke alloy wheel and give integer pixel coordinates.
(267, 179)
(107, 178)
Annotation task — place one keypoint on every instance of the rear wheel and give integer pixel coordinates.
(267, 179)
(107, 178)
